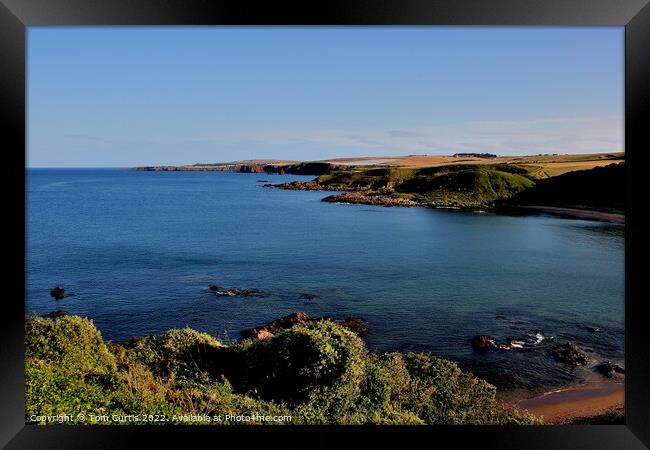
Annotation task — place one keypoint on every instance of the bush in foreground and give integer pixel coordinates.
(318, 373)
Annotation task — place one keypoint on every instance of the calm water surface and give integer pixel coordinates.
(138, 250)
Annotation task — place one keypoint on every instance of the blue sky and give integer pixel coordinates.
(124, 96)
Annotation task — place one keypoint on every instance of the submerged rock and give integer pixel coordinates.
(355, 324)
(609, 369)
(234, 292)
(54, 314)
(57, 292)
(568, 353)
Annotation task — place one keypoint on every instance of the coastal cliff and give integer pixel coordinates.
(461, 185)
(261, 166)
(504, 187)
(555, 184)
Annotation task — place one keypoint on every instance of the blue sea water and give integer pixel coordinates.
(136, 252)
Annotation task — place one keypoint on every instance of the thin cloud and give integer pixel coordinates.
(548, 135)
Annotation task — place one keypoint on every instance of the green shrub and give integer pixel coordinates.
(217, 398)
(71, 343)
(177, 354)
(518, 417)
(69, 370)
(437, 391)
(319, 366)
(319, 373)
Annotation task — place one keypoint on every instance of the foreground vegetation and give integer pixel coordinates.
(319, 373)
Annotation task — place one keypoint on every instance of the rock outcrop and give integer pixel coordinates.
(306, 186)
(268, 330)
(57, 292)
(568, 353)
(354, 324)
(483, 342)
(610, 370)
(375, 198)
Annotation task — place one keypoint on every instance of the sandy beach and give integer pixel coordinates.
(574, 402)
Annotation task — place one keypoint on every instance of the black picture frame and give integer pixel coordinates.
(634, 15)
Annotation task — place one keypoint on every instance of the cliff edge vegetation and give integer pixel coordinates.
(320, 373)
(472, 186)
(461, 185)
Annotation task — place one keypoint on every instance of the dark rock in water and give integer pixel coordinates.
(244, 291)
(568, 353)
(355, 324)
(263, 181)
(309, 297)
(609, 369)
(54, 314)
(512, 343)
(268, 330)
(592, 329)
(215, 287)
(483, 342)
(57, 292)
(235, 292)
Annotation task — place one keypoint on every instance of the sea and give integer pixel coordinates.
(136, 252)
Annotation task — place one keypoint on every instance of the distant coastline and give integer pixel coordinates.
(589, 187)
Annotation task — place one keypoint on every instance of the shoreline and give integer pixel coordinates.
(356, 198)
(382, 197)
(571, 403)
(586, 214)
(594, 400)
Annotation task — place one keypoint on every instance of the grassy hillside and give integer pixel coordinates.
(316, 373)
(475, 185)
(537, 166)
(463, 185)
(600, 187)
